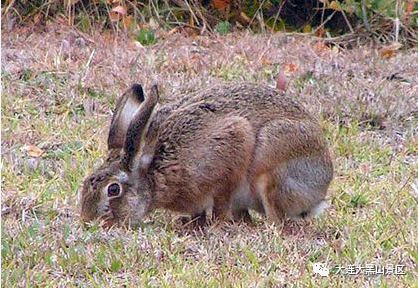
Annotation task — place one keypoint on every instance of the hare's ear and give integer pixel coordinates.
(142, 162)
(136, 130)
(126, 107)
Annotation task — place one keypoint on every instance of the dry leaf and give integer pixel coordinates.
(221, 4)
(390, 50)
(245, 18)
(307, 28)
(320, 32)
(114, 17)
(117, 13)
(33, 151)
(120, 10)
(409, 9)
(265, 61)
(335, 5)
(290, 68)
(173, 31)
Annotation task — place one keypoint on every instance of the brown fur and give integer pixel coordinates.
(199, 152)
(207, 174)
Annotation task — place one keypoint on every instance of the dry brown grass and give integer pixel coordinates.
(58, 90)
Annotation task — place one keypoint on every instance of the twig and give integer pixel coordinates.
(348, 22)
(205, 27)
(365, 20)
(88, 65)
(83, 35)
(278, 14)
(396, 22)
(261, 22)
(8, 7)
(186, 6)
(191, 13)
(325, 22)
(256, 13)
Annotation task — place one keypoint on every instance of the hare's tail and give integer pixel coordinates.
(315, 211)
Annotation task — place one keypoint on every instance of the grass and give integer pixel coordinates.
(58, 100)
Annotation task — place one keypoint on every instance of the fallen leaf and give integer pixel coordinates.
(173, 31)
(245, 18)
(119, 9)
(117, 13)
(389, 51)
(307, 28)
(290, 68)
(408, 10)
(265, 61)
(221, 4)
(335, 5)
(33, 151)
(114, 17)
(320, 32)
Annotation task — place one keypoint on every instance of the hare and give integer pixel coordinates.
(226, 149)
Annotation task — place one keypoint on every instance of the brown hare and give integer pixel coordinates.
(226, 149)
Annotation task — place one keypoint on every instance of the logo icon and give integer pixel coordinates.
(321, 269)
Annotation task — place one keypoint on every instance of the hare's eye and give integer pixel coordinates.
(113, 190)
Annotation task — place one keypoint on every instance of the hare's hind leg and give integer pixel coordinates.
(266, 185)
(305, 185)
(285, 177)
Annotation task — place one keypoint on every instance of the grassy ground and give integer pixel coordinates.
(58, 90)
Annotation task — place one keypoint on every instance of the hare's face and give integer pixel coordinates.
(120, 191)
(110, 195)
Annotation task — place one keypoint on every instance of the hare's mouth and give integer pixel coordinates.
(108, 217)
